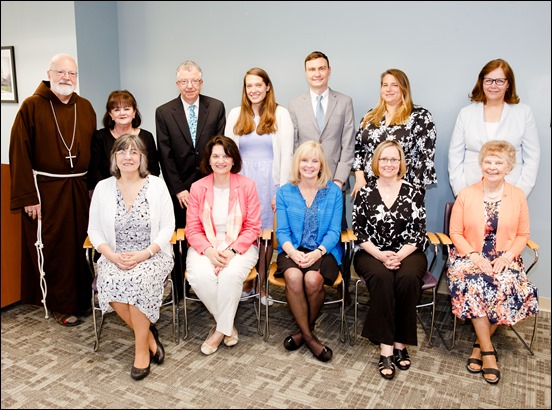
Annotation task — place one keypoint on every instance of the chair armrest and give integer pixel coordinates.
(433, 238)
(445, 240)
(87, 244)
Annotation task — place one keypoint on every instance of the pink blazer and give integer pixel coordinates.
(467, 221)
(242, 189)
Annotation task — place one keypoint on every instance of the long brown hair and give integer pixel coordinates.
(375, 115)
(267, 124)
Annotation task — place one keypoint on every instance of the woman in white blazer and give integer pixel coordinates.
(495, 114)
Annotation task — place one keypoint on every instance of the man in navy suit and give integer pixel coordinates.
(332, 124)
(183, 127)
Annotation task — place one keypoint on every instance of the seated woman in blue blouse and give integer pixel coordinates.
(389, 220)
(308, 215)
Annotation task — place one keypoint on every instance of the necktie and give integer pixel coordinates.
(319, 112)
(192, 122)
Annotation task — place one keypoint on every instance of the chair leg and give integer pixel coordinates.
(97, 328)
(529, 346)
(352, 340)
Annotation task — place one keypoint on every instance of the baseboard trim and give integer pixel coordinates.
(544, 303)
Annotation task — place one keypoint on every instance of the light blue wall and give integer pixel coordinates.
(440, 45)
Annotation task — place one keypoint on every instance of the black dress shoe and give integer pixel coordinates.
(291, 345)
(159, 356)
(325, 355)
(139, 374)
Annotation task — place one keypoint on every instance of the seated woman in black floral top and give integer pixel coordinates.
(389, 220)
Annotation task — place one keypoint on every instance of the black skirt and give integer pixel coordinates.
(327, 266)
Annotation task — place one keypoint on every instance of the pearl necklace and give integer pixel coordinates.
(69, 157)
(498, 192)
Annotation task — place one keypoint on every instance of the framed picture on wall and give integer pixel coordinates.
(9, 82)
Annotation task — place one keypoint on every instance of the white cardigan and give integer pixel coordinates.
(516, 125)
(282, 142)
(101, 225)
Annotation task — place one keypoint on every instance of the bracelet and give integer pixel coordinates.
(321, 250)
(471, 253)
(505, 257)
(150, 251)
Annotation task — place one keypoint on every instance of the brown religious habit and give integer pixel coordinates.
(51, 140)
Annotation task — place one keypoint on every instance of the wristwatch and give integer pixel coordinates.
(233, 250)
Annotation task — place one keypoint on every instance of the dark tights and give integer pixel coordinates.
(305, 296)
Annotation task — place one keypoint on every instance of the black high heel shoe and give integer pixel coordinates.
(139, 374)
(159, 356)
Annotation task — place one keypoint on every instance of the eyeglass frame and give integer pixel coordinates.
(392, 161)
(490, 81)
(61, 73)
(130, 153)
(185, 83)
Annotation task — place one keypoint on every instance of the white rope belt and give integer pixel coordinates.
(38, 244)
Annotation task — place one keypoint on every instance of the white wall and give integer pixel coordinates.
(440, 45)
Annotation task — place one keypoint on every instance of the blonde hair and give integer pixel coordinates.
(377, 154)
(375, 115)
(499, 148)
(310, 149)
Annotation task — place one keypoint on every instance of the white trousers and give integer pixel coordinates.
(220, 293)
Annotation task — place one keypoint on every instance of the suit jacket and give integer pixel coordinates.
(467, 220)
(242, 189)
(337, 135)
(517, 126)
(179, 159)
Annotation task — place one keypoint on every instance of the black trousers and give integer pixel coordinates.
(393, 297)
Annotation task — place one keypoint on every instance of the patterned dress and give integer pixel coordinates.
(143, 285)
(504, 298)
(417, 137)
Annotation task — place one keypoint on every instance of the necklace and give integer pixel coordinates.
(498, 192)
(69, 157)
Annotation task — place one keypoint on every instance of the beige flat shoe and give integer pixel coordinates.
(206, 348)
(231, 340)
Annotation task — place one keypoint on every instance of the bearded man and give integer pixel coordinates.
(49, 155)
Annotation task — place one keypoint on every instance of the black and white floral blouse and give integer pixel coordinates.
(390, 228)
(417, 138)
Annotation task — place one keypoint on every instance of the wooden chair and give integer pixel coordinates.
(170, 300)
(532, 248)
(253, 276)
(431, 283)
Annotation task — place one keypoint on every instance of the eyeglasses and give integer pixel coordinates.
(59, 73)
(393, 161)
(123, 153)
(499, 81)
(186, 82)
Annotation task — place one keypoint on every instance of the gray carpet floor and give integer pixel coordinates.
(45, 365)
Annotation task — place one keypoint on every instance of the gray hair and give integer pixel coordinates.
(189, 65)
(122, 144)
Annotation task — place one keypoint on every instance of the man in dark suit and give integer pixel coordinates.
(326, 116)
(183, 127)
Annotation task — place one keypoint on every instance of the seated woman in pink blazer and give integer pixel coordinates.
(223, 222)
(489, 227)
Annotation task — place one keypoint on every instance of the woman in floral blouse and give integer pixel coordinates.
(395, 117)
(389, 220)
